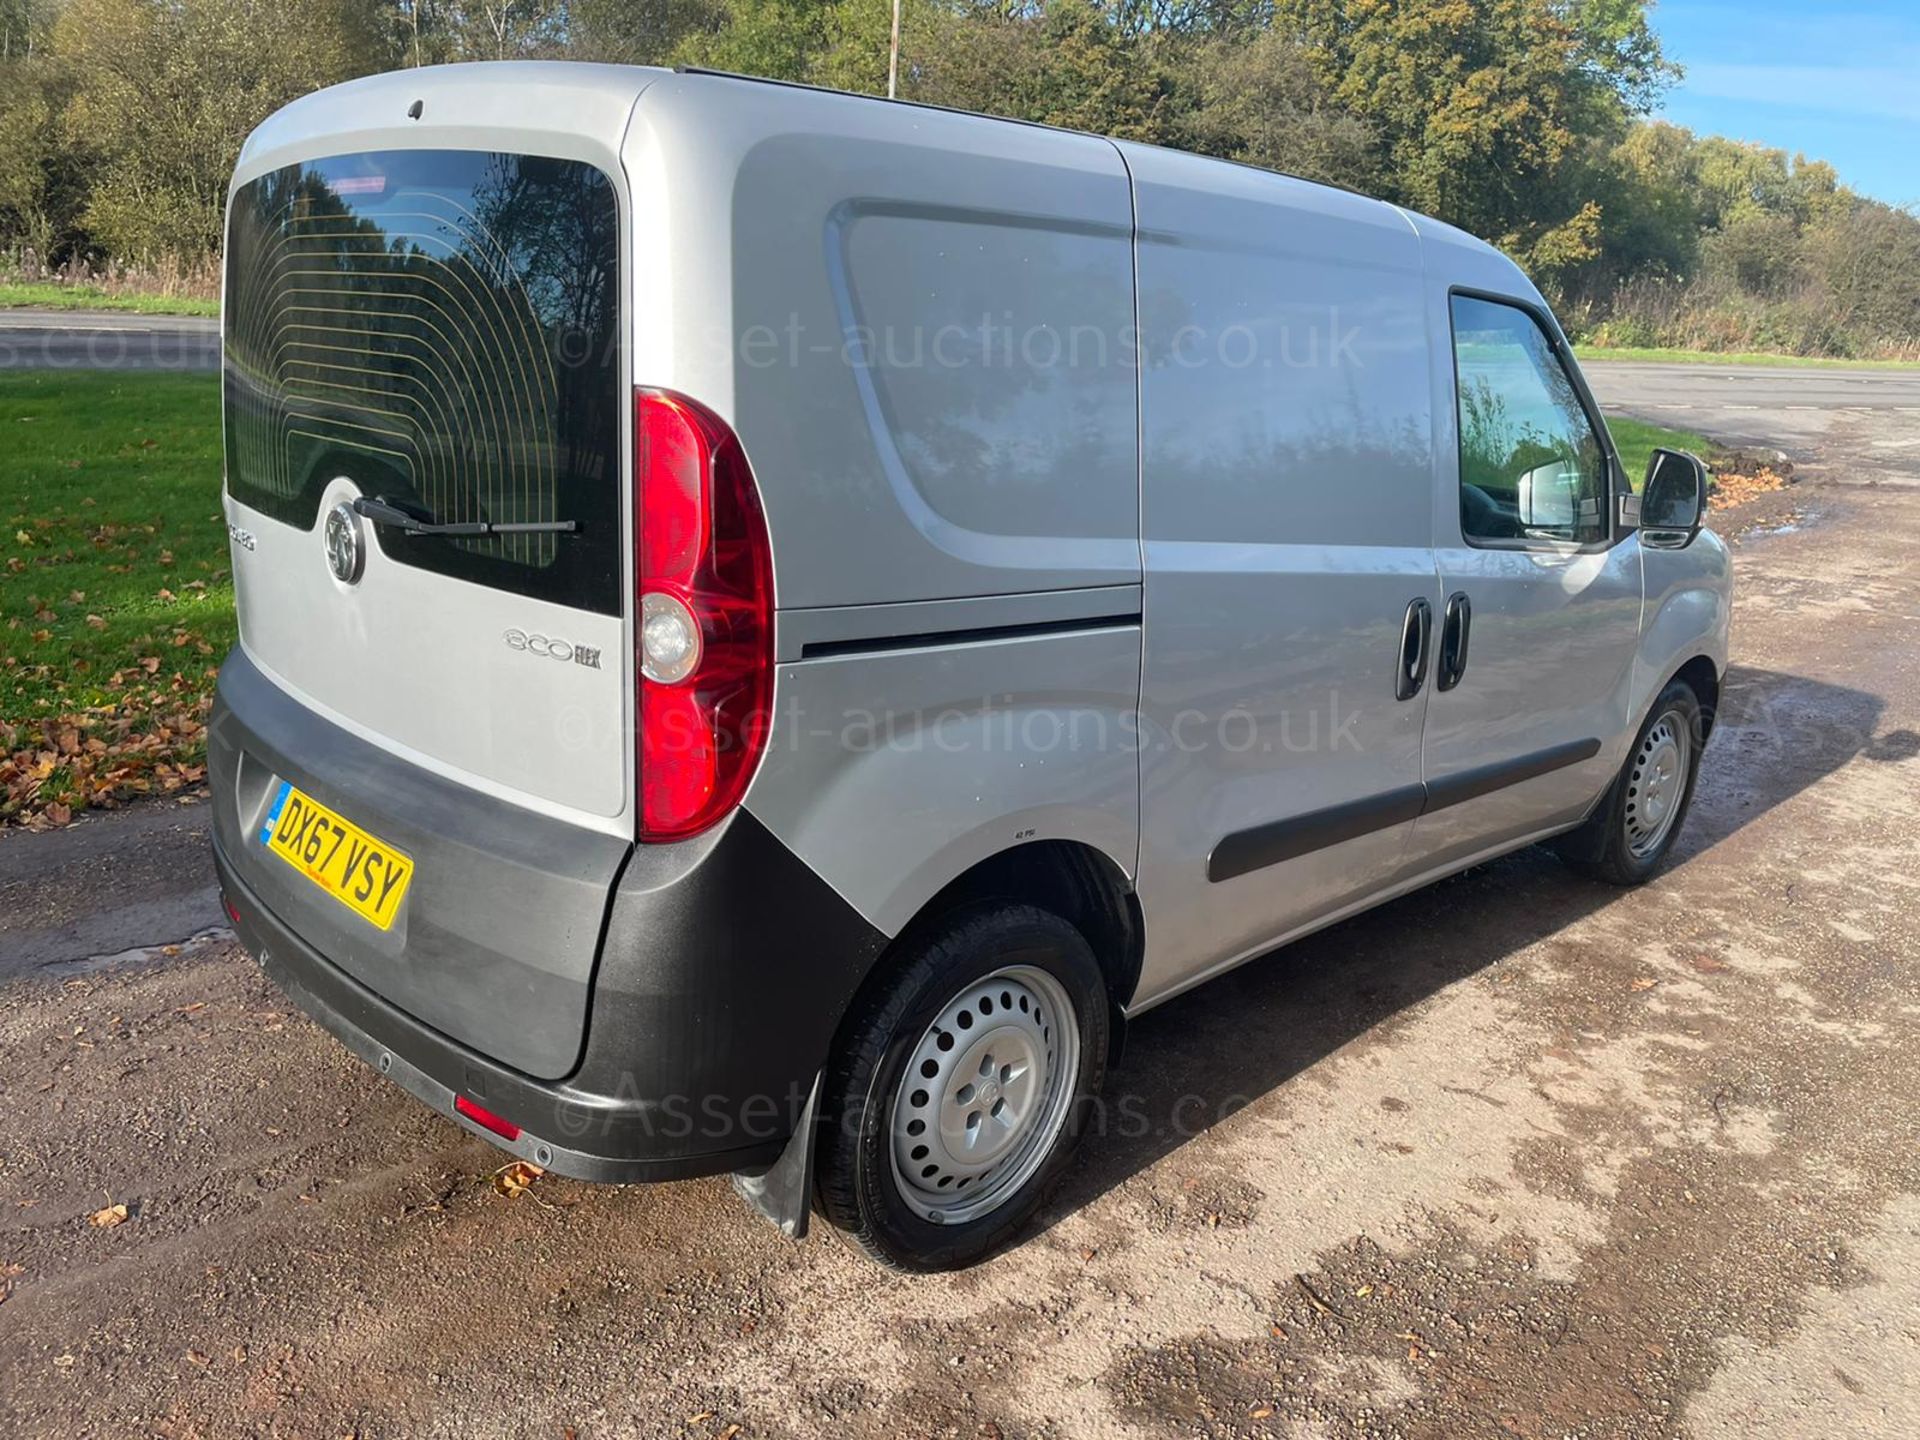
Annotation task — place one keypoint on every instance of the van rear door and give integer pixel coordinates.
(427, 419)
(435, 330)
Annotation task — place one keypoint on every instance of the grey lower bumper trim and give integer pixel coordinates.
(421, 1061)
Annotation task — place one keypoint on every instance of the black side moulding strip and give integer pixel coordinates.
(1246, 851)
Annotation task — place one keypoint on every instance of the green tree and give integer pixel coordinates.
(643, 33)
(1866, 258)
(1257, 99)
(24, 26)
(165, 93)
(780, 39)
(1482, 105)
(1073, 63)
(1650, 196)
(41, 179)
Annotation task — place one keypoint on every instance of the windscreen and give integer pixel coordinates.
(440, 327)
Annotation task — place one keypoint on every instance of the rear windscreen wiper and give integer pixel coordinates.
(384, 512)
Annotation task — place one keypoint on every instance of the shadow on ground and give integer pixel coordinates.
(1197, 1059)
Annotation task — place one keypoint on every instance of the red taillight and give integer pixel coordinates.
(703, 616)
(486, 1119)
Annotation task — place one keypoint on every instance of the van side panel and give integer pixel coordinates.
(918, 324)
(1286, 471)
(891, 773)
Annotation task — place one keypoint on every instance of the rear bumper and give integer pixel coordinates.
(562, 1128)
(713, 976)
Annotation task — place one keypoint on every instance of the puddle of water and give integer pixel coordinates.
(140, 955)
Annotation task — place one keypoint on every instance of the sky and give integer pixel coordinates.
(1836, 79)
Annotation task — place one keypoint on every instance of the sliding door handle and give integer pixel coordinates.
(1455, 631)
(1416, 640)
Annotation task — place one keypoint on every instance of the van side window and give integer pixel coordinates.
(1531, 466)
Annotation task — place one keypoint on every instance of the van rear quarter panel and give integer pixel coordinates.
(917, 322)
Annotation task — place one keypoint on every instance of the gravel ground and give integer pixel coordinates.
(1517, 1155)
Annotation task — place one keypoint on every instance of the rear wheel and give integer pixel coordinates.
(960, 1087)
(1629, 836)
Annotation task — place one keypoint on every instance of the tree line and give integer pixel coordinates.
(1523, 121)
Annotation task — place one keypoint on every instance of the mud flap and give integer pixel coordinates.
(782, 1194)
(1587, 841)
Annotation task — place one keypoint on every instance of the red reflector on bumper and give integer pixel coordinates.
(233, 910)
(486, 1119)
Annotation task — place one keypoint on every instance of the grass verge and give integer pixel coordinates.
(47, 296)
(1738, 357)
(1637, 440)
(116, 604)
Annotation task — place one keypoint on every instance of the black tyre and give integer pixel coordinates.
(960, 1086)
(1625, 841)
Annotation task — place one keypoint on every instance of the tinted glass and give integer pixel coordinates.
(1531, 466)
(441, 327)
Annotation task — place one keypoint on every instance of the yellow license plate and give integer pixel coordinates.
(361, 871)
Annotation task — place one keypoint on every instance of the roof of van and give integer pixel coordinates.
(1438, 232)
(594, 85)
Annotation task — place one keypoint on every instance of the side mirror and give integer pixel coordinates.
(1548, 497)
(1673, 501)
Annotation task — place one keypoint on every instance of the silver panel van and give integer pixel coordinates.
(773, 623)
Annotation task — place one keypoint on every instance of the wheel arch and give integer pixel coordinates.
(1702, 676)
(1079, 882)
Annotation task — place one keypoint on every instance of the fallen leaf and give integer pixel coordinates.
(1260, 1412)
(108, 1218)
(1643, 982)
(513, 1180)
(194, 1357)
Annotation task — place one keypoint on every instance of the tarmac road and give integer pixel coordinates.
(1515, 1156)
(85, 340)
(1786, 408)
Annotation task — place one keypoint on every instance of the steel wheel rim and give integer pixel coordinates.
(1657, 783)
(985, 1093)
